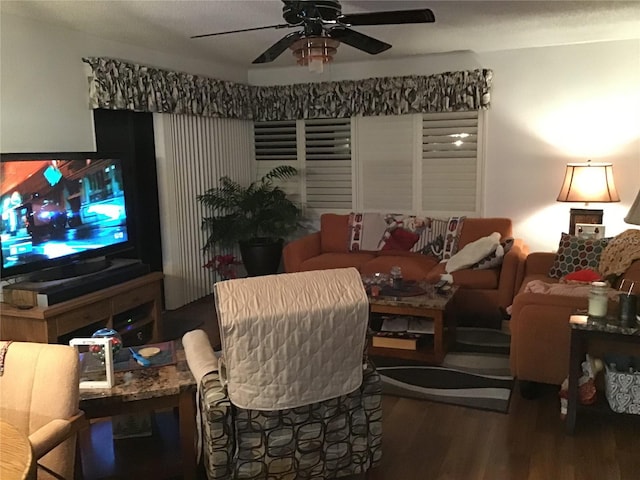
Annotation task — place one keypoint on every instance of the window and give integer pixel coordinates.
(428, 164)
(449, 178)
(275, 140)
(328, 163)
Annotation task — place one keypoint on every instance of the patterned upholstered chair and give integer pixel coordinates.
(293, 397)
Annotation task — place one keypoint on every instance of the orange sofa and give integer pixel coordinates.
(482, 295)
(540, 331)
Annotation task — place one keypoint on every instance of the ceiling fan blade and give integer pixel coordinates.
(277, 48)
(283, 25)
(394, 17)
(358, 40)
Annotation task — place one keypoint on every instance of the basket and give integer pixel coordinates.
(622, 390)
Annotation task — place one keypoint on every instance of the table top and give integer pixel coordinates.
(430, 299)
(15, 451)
(610, 324)
(145, 383)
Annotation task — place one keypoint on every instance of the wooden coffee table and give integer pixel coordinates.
(429, 305)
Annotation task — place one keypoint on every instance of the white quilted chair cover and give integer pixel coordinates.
(292, 339)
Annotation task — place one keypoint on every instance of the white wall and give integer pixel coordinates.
(43, 85)
(549, 106)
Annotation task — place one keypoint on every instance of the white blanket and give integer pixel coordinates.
(292, 339)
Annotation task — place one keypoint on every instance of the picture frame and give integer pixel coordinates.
(96, 362)
(584, 215)
(589, 230)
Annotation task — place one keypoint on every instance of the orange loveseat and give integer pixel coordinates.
(482, 294)
(540, 331)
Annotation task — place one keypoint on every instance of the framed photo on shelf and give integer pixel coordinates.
(96, 362)
(589, 230)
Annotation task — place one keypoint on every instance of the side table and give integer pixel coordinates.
(147, 389)
(586, 331)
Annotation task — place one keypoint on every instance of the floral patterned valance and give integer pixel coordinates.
(119, 85)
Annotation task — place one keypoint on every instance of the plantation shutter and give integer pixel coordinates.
(275, 141)
(385, 155)
(328, 163)
(276, 144)
(450, 162)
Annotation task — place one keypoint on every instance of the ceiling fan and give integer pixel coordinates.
(323, 26)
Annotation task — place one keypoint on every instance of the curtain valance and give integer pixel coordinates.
(120, 85)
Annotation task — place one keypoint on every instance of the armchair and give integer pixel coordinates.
(39, 396)
(293, 397)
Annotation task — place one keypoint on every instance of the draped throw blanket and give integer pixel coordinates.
(120, 85)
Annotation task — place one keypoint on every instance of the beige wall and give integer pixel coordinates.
(43, 87)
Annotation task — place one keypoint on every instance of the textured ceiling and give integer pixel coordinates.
(473, 25)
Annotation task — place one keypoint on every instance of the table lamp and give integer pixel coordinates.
(587, 182)
(634, 212)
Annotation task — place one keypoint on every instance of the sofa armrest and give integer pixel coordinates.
(299, 250)
(539, 263)
(540, 336)
(512, 272)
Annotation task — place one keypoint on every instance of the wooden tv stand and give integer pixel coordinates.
(133, 308)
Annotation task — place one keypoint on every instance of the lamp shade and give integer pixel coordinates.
(634, 212)
(588, 182)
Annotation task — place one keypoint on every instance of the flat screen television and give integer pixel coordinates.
(63, 214)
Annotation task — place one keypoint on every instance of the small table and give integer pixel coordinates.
(15, 454)
(432, 305)
(584, 331)
(151, 388)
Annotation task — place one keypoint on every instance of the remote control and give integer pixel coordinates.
(440, 284)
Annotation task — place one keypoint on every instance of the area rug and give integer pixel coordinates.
(474, 374)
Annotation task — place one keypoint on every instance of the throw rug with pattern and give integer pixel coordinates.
(475, 373)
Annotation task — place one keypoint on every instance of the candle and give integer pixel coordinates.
(598, 299)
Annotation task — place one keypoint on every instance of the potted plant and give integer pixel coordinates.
(257, 217)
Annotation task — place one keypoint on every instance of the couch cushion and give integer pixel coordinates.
(475, 228)
(494, 260)
(575, 253)
(414, 267)
(468, 278)
(326, 261)
(334, 233)
(473, 252)
(536, 276)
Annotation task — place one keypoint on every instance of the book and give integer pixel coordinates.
(395, 342)
(407, 324)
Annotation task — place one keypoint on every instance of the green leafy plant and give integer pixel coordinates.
(258, 213)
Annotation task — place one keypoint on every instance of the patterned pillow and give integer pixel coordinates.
(493, 260)
(576, 253)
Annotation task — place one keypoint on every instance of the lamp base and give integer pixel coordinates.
(582, 215)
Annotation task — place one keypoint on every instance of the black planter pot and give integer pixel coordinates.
(261, 256)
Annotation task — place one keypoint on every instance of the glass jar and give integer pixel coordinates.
(396, 277)
(598, 299)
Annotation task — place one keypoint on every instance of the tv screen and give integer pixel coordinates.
(61, 208)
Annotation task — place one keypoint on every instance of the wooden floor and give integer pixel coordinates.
(421, 440)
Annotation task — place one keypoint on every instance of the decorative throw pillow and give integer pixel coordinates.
(473, 252)
(586, 275)
(452, 236)
(400, 239)
(576, 253)
(434, 247)
(494, 259)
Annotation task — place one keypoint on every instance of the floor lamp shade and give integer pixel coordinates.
(634, 212)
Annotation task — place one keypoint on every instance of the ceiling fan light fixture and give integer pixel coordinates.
(314, 52)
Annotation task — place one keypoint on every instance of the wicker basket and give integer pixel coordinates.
(622, 390)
